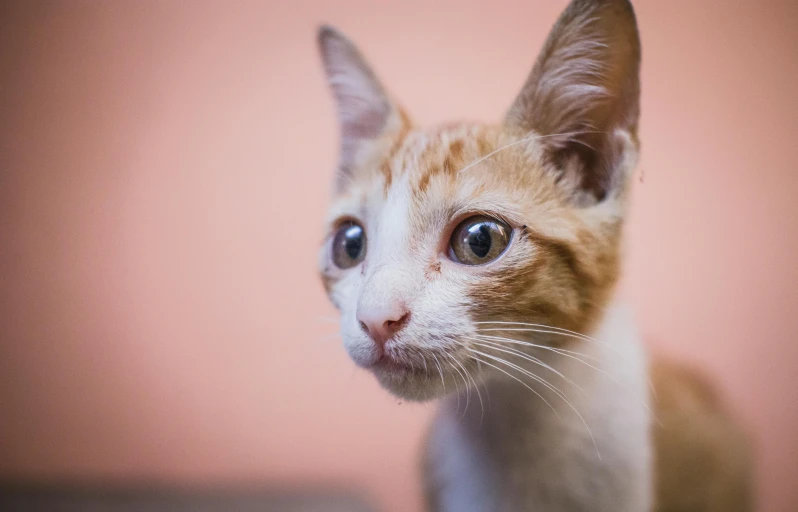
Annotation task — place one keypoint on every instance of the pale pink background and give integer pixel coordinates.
(164, 169)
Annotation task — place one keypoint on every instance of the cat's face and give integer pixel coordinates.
(443, 244)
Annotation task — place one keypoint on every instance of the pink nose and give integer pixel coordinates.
(382, 322)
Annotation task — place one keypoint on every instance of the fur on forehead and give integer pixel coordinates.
(472, 168)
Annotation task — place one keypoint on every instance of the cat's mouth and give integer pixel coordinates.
(406, 379)
(414, 375)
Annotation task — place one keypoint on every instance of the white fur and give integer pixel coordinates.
(530, 459)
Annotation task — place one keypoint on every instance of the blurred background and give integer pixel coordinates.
(164, 170)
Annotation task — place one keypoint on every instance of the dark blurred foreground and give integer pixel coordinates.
(49, 499)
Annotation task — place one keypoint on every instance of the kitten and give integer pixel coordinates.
(478, 264)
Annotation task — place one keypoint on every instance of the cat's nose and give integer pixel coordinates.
(382, 322)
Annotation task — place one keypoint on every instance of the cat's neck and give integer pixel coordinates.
(573, 385)
(599, 413)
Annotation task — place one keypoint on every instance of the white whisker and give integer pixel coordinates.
(555, 390)
(465, 382)
(456, 386)
(521, 141)
(565, 332)
(549, 329)
(519, 381)
(476, 387)
(440, 370)
(568, 354)
(500, 348)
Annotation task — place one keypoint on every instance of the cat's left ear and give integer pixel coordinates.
(365, 111)
(583, 96)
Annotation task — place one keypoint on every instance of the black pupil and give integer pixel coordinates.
(479, 239)
(353, 241)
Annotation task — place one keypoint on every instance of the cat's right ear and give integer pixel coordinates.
(365, 111)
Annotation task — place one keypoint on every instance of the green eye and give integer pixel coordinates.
(478, 240)
(349, 245)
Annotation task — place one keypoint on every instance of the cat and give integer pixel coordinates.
(477, 264)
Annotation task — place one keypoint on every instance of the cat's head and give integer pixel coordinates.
(442, 241)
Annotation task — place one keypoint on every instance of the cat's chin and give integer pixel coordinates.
(409, 384)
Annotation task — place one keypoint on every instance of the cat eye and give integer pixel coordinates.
(349, 245)
(478, 240)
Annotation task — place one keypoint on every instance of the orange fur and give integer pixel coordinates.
(703, 458)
